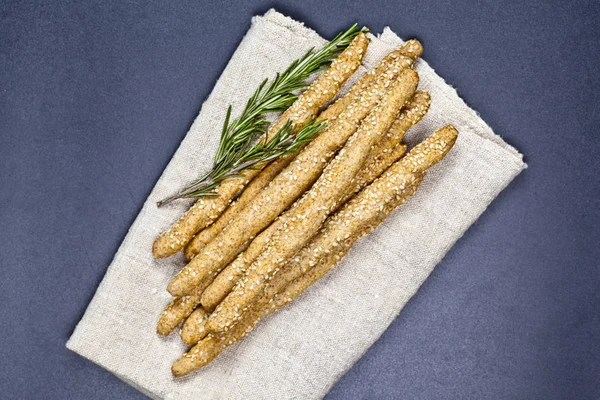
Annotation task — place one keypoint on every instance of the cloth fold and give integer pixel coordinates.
(301, 351)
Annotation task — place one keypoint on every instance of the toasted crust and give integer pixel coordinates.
(302, 221)
(396, 185)
(193, 330)
(384, 153)
(304, 109)
(257, 184)
(283, 190)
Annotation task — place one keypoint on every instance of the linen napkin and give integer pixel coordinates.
(301, 351)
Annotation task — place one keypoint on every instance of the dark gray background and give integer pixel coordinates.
(95, 97)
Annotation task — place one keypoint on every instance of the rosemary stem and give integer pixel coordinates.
(244, 142)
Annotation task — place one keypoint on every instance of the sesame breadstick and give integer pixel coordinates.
(193, 330)
(412, 49)
(285, 188)
(396, 185)
(177, 310)
(411, 114)
(174, 313)
(302, 222)
(370, 206)
(298, 276)
(250, 191)
(200, 355)
(302, 111)
(387, 150)
(228, 277)
(270, 301)
(384, 153)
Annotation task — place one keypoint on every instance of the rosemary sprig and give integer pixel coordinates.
(242, 143)
(283, 143)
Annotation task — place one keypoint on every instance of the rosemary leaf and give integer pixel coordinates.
(242, 143)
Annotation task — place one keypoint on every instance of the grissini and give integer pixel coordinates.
(366, 211)
(387, 150)
(202, 238)
(411, 114)
(303, 110)
(193, 330)
(255, 186)
(284, 189)
(228, 277)
(306, 268)
(177, 310)
(390, 190)
(301, 222)
(382, 155)
(412, 49)
(211, 345)
(225, 281)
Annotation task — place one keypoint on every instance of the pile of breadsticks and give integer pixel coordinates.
(295, 218)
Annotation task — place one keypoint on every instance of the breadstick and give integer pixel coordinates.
(177, 310)
(211, 346)
(384, 153)
(298, 276)
(301, 222)
(180, 308)
(342, 224)
(285, 188)
(193, 328)
(292, 278)
(387, 150)
(256, 185)
(412, 49)
(226, 279)
(304, 109)
(411, 114)
(198, 356)
(393, 185)
(363, 207)
(174, 313)
(252, 189)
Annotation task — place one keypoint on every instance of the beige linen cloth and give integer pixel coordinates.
(301, 351)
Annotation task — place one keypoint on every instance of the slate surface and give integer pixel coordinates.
(96, 96)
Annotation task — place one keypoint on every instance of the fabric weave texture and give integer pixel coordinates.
(302, 350)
